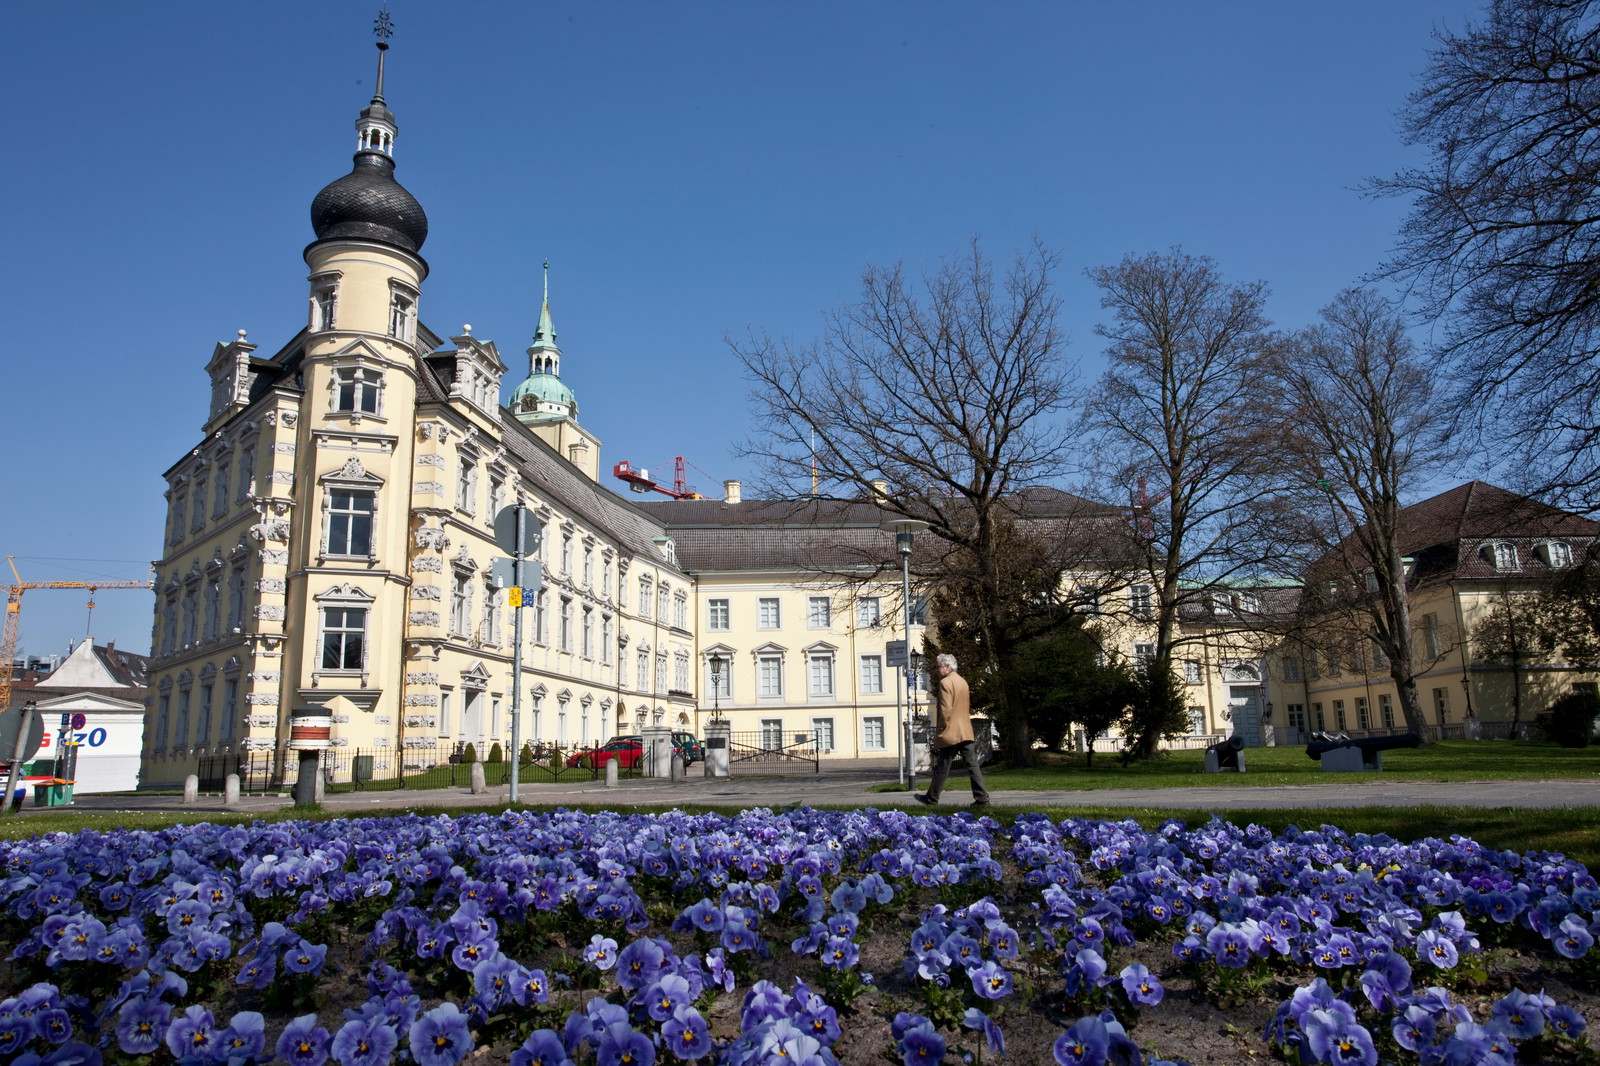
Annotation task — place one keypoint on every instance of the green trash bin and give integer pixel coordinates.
(52, 795)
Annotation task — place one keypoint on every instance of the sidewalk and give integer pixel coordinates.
(849, 785)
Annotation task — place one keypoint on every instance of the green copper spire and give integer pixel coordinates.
(543, 396)
(545, 335)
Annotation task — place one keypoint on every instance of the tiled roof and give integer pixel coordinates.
(823, 534)
(1448, 535)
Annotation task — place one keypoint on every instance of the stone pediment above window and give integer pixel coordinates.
(770, 649)
(346, 593)
(476, 674)
(352, 475)
(820, 646)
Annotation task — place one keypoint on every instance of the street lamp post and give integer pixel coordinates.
(904, 530)
(717, 663)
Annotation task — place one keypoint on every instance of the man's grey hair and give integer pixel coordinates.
(946, 660)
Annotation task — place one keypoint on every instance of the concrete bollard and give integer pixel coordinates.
(478, 784)
(191, 788)
(677, 767)
(230, 790)
(611, 772)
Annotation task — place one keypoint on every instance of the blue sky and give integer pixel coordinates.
(690, 170)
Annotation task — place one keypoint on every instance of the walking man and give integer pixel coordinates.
(953, 733)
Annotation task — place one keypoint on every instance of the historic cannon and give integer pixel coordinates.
(1365, 753)
(1226, 756)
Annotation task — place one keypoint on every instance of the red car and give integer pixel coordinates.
(628, 751)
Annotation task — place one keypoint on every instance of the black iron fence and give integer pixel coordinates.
(434, 766)
(776, 748)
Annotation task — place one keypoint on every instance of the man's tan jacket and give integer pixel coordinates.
(953, 707)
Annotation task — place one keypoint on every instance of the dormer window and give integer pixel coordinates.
(1502, 555)
(1557, 554)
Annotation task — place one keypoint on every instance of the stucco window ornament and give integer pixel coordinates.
(430, 459)
(425, 618)
(430, 539)
(261, 699)
(269, 676)
(272, 584)
(273, 556)
(257, 743)
(269, 612)
(422, 679)
(425, 592)
(382, 719)
(422, 699)
(1239, 670)
(427, 564)
(341, 719)
(261, 721)
(429, 488)
(284, 447)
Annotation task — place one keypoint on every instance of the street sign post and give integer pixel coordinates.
(518, 532)
(894, 653)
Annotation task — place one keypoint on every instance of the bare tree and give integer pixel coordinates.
(1503, 237)
(1180, 430)
(940, 402)
(1357, 420)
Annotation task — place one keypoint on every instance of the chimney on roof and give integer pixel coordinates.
(111, 646)
(730, 492)
(880, 490)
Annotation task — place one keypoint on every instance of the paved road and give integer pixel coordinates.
(849, 785)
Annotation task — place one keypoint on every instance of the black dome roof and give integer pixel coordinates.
(368, 204)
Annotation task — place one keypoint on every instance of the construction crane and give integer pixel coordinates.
(640, 481)
(13, 629)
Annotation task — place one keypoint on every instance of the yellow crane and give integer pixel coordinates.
(8, 640)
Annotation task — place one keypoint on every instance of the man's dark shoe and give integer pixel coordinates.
(924, 799)
(980, 803)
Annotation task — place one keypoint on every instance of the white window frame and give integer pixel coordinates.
(769, 613)
(718, 615)
(348, 603)
(819, 612)
(1141, 600)
(357, 391)
(1191, 672)
(874, 733)
(821, 684)
(769, 675)
(869, 611)
(823, 733)
(402, 312)
(871, 675)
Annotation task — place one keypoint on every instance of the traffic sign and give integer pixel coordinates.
(505, 531)
(894, 653)
(79, 720)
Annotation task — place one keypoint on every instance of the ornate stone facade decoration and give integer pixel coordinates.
(269, 676)
(425, 592)
(422, 699)
(269, 612)
(422, 679)
(274, 585)
(425, 618)
(261, 699)
(427, 564)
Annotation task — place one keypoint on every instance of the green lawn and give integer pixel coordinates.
(1450, 760)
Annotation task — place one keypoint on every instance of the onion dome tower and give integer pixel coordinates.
(368, 204)
(543, 395)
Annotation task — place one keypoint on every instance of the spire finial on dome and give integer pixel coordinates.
(383, 29)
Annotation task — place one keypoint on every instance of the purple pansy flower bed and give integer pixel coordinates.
(806, 937)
